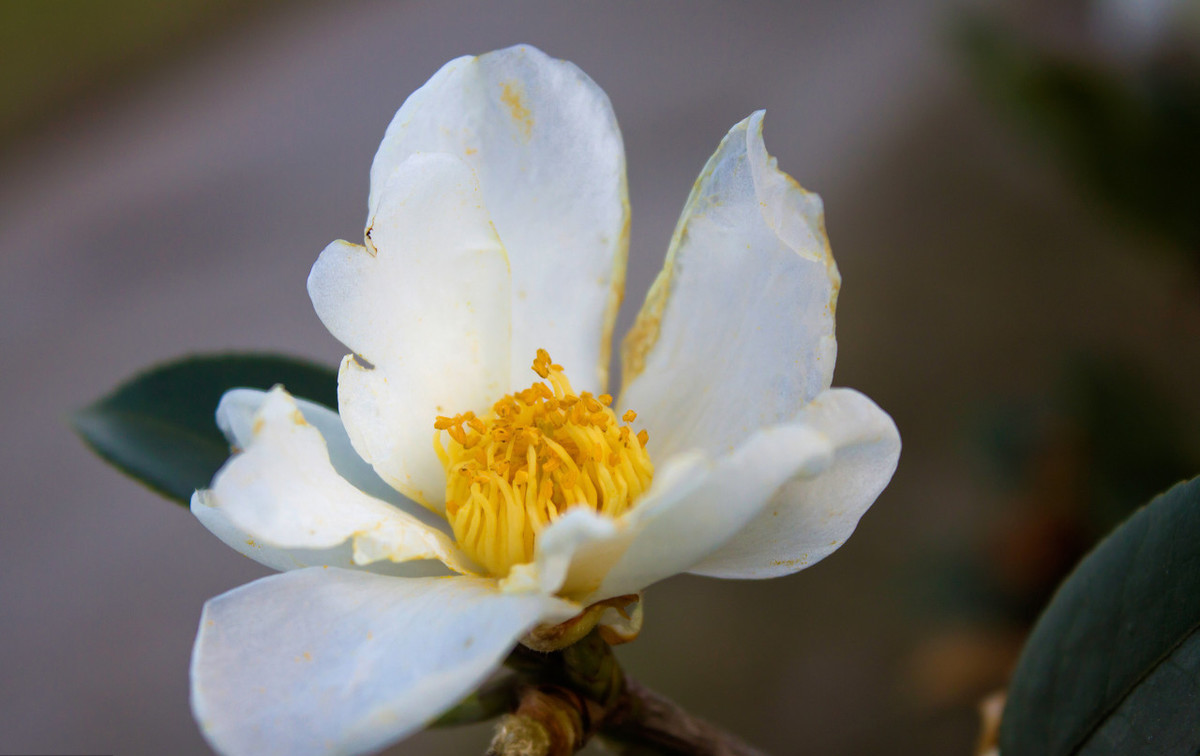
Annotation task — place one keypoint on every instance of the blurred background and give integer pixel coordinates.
(1013, 199)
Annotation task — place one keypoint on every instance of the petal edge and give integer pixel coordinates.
(737, 332)
(810, 517)
(544, 141)
(331, 661)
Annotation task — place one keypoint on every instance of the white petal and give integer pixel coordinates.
(737, 332)
(283, 559)
(328, 661)
(426, 304)
(544, 141)
(576, 551)
(235, 416)
(568, 553)
(810, 517)
(283, 492)
(705, 503)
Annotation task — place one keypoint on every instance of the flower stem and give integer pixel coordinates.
(490, 701)
(567, 697)
(646, 723)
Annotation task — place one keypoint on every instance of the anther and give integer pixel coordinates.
(540, 452)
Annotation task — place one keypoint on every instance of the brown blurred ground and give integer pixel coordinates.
(182, 212)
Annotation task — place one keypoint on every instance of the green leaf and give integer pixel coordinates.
(1158, 718)
(1113, 665)
(159, 427)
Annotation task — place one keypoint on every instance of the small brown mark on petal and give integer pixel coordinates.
(512, 97)
(369, 245)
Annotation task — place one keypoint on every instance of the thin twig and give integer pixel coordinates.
(645, 723)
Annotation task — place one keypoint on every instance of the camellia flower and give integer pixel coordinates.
(478, 487)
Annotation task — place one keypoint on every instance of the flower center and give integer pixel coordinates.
(538, 453)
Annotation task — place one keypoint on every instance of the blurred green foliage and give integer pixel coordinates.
(1072, 464)
(1135, 439)
(1122, 436)
(55, 53)
(1073, 460)
(1133, 137)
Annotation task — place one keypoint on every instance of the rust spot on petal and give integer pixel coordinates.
(513, 98)
(642, 337)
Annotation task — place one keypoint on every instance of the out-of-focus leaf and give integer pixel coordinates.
(159, 426)
(1135, 439)
(1130, 138)
(1112, 665)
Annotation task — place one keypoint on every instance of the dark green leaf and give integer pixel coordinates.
(1112, 665)
(159, 427)
(1159, 716)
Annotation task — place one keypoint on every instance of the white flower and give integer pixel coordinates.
(497, 226)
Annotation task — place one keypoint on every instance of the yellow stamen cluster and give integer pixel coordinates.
(538, 453)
